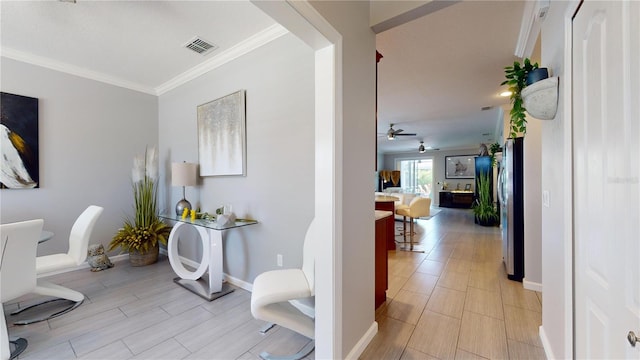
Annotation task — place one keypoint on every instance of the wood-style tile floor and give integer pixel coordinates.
(454, 301)
(140, 313)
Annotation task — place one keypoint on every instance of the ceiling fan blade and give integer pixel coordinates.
(407, 134)
(398, 131)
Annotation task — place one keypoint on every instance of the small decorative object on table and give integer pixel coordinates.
(97, 259)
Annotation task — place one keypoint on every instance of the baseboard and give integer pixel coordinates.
(84, 265)
(230, 279)
(239, 283)
(545, 343)
(530, 285)
(364, 341)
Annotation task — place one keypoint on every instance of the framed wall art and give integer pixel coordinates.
(20, 157)
(222, 136)
(459, 167)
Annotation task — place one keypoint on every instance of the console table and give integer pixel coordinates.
(211, 287)
(456, 199)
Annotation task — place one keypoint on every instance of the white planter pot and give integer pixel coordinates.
(541, 98)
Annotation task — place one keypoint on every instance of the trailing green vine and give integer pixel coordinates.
(516, 79)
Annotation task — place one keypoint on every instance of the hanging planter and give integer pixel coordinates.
(541, 98)
(528, 79)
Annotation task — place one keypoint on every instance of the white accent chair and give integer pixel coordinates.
(77, 254)
(287, 298)
(18, 243)
(419, 207)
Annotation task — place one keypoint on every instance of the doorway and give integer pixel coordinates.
(416, 175)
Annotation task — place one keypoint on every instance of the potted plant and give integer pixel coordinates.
(483, 208)
(518, 77)
(142, 233)
(493, 149)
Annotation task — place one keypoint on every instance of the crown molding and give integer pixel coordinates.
(73, 70)
(532, 16)
(262, 38)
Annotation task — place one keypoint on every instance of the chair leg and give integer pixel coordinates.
(411, 237)
(297, 356)
(266, 328)
(46, 288)
(20, 345)
(404, 229)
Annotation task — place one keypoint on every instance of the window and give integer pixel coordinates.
(416, 176)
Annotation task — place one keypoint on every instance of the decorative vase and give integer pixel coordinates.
(137, 258)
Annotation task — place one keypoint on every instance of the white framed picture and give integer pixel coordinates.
(460, 167)
(222, 136)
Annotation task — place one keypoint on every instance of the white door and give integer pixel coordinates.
(606, 159)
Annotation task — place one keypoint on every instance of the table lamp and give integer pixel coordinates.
(183, 174)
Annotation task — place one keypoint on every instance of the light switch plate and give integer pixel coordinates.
(545, 198)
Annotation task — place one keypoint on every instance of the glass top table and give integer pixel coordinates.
(209, 224)
(212, 285)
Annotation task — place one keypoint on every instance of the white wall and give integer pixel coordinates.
(278, 189)
(89, 133)
(533, 205)
(357, 136)
(556, 330)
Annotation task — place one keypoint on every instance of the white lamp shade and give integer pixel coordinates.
(183, 174)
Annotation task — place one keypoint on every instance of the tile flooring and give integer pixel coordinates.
(139, 313)
(454, 301)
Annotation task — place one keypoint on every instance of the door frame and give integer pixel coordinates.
(304, 21)
(530, 29)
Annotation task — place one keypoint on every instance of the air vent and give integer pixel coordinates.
(200, 46)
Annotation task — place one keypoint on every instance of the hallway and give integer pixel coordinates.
(454, 301)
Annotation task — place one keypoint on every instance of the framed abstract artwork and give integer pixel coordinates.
(222, 136)
(460, 167)
(20, 157)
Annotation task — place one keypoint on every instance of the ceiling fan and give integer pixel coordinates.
(391, 134)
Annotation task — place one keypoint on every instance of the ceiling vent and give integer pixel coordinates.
(200, 46)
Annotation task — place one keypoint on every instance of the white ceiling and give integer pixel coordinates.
(436, 74)
(138, 44)
(439, 70)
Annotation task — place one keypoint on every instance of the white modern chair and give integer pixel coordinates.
(419, 207)
(287, 298)
(77, 254)
(18, 242)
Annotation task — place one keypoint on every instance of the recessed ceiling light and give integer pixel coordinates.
(505, 93)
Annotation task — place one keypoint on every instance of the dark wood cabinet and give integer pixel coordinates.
(381, 264)
(456, 199)
(388, 205)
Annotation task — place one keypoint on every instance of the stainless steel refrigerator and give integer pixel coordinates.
(511, 196)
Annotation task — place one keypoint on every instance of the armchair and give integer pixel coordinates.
(77, 254)
(18, 242)
(419, 207)
(286, 297)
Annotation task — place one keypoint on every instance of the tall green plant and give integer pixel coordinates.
(516, 79)
(483, 208)
(145, 229)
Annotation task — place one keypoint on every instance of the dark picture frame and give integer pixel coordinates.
(459, 167)
(19, 125)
